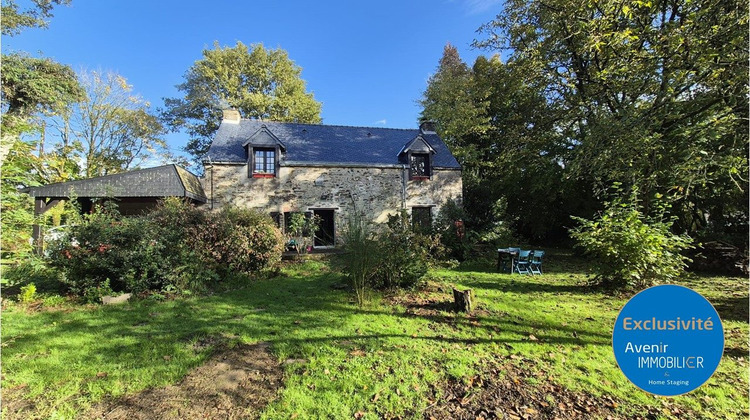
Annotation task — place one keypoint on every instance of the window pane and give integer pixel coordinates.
(265, 161)
(419, 165)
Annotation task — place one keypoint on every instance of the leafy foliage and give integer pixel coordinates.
(17, 218)
(450, 225)
(31, 84)
(631, 249)
(652, 94)
(107, 248)
(28, 293)
(302, 229)
(177, 247)
(497, 124)
(238, 240)
(111, 130)
(15, 20)
(359, 256)
(260, 83)
(404, 254)
(397, 256)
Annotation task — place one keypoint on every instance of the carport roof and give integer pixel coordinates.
(161, 181)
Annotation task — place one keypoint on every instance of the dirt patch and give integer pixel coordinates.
(234, 383)
(504, 392)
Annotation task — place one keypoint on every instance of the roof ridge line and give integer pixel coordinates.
(331, 125)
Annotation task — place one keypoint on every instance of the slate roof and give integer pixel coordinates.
(326, 144)
(161, 181)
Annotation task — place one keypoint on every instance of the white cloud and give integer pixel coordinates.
(381, 122)
(478, 6)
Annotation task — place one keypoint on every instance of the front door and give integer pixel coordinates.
(324, 236)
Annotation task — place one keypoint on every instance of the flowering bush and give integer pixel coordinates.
(176, 247)
(109, 248)
(238, 240)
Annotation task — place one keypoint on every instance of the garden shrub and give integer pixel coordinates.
(450, 224)
(404, 253)
(301, 229)
(28, 293)
(395, 256)
(630, 249)
(462, 241)
(174, 248)
(107, 248)
(239, 240)
(359, 257)
(177, 224)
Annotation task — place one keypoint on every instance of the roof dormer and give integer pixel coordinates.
(417, 145)
(263, 137)
(263, 150)
(418, 153)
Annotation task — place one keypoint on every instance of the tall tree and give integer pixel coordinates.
(29, 86)
(451, 99)
(21, 169)
(111, 130)
(260, 83)
(652, 94)
(498, 125)
(15, 20)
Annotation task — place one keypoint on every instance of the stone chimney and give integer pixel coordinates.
(231, 116)
(427, 127)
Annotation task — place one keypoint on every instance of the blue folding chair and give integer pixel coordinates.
(511, 254)
(535, 262)
(522, 264)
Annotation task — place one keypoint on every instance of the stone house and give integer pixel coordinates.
(330, 171)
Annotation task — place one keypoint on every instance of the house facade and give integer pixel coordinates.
(330, 171)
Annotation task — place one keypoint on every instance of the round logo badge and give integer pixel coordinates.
(668, 340)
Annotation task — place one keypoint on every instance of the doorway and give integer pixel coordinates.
(325, 235)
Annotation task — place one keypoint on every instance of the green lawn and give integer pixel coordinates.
(385, 360)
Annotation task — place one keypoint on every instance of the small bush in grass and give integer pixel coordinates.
(53, 300)
(404, 253)
(28, 293)
(630, 249)
(396, 256)
(360, 254)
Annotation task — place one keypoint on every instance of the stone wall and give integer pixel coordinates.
(379, 191)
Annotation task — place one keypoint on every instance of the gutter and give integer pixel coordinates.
(404, 178)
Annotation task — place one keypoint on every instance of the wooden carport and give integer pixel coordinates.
(135, 192)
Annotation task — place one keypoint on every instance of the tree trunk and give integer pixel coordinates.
(464, 300)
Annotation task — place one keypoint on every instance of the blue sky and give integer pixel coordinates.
(367, 62)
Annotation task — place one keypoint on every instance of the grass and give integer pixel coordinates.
(386, 359)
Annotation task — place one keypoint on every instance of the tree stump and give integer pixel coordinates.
(464, 300)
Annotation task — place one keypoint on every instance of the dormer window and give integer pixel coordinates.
(417, 153)
(263, 153)
(264, 162)
(419, 166)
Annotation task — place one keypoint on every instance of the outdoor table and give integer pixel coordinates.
(505, 254)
